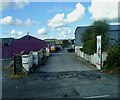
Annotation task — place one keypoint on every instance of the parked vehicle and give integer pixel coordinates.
(71, 50)
(52, 48)
(59, 47)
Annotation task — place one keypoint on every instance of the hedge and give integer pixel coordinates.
(113, 59)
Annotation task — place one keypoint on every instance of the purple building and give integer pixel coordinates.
(5, 47)
(24, 44)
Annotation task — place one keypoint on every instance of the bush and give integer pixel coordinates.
(89, 47)
(113, 59)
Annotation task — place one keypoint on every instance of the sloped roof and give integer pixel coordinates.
(29, 37)
(28, 43)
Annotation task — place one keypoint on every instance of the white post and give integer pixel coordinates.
(99, 54)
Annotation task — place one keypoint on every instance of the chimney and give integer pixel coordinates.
(28, 35)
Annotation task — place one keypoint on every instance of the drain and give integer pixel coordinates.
(69, 92)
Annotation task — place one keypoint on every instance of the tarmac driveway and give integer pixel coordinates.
(58, 62)
(63, 76)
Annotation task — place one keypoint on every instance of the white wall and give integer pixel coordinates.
(47, 52)
(77, 50)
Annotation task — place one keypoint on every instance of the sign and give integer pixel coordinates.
(99, 54)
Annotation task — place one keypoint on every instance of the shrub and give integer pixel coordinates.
(89, 47)
(113, 59)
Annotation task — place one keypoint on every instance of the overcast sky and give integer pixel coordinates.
(53, 19)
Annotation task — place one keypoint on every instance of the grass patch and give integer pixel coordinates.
(22, 75)
(10, 73)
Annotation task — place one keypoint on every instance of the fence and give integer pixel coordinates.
(91, 58)
(29, 61)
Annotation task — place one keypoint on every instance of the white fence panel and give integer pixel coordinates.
(92, 58)
(27, 62)
(35, 57)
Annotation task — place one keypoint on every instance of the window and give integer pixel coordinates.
(5, 44)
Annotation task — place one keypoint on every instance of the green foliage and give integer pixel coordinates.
(89, 36)
(89, 47)
(113, 59)
(101, 27)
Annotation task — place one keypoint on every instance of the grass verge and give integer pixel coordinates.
(10, 73)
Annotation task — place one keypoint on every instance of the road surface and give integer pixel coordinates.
(66, 62)
(63, 76)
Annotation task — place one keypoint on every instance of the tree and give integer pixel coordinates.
(65, 43)
(89, 36)
(89, 47)
(101, 28)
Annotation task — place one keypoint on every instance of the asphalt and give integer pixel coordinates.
(58, 62)
(63, 76)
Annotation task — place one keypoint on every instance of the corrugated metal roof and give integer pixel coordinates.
(113, 32)
(28, 43)
(29, 37)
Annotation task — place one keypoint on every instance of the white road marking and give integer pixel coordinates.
(101, 96)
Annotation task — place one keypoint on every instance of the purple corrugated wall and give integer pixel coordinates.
(5, 51)
(27, 44)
